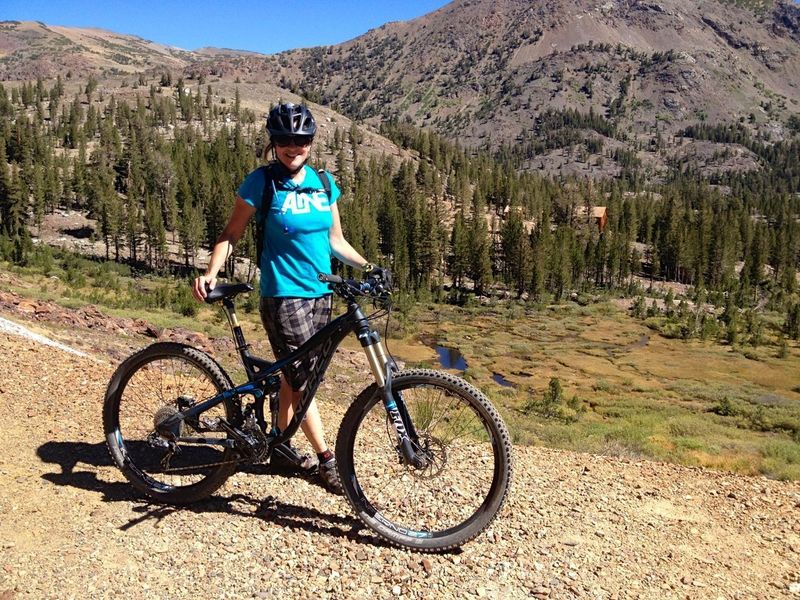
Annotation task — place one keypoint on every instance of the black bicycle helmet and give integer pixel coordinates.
(291, 119)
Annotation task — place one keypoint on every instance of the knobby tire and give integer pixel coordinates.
(150, 381)
(458, 496)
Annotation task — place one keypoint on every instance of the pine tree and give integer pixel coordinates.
(155, 233)
(15, 220)
(5, 193)
(516, 251)
(105, 203)
(791, 325)
(78, 183)
(481, 261)
(561, 271)
(192, 230)
(541, 249)
(460, 250)
(38, 197)
(639, 307)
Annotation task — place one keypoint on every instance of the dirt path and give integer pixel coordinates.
(576, 526)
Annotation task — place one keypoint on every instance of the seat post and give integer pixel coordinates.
(236, 329)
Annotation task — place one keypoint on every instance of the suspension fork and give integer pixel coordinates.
(383, 369)
(398, 413)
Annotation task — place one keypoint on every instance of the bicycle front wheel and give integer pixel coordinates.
(148, 387)
(468, 472)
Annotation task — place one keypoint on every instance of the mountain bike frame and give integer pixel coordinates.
(263, 376)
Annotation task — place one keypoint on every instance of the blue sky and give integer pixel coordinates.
(264, 26)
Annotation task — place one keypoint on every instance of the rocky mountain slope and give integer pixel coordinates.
(479, 69)
(32, 49)
(575, 526)
(625, 74)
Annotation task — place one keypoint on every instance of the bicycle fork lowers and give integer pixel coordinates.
(383, 369)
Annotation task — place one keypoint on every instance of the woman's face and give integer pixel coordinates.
(292, 151)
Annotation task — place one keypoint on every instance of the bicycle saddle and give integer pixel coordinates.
(227, 290)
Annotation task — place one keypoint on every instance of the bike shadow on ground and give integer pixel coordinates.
(80, 462)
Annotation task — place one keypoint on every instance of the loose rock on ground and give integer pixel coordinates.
(575, 525)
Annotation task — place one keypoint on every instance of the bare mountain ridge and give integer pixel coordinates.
(32, 49)
(486, 72)
(475, 69)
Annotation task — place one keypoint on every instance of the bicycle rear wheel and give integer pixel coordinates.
(147, 387)
(458, 494)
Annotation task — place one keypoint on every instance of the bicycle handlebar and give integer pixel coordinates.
(325, 278)
(349, 288)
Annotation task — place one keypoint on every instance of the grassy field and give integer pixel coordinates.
(625, 390)
(622, 388)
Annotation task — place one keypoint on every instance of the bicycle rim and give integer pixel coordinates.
(460, 491)
(154, 387)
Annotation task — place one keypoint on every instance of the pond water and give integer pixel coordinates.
(498, 378)
(451, 358)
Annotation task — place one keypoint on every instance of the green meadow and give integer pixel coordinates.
(623, 389)
(587, 378)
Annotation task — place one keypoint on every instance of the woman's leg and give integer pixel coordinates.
(290, 322)
(311, 425)
(288, 399)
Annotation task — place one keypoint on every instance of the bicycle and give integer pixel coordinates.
(424, 458)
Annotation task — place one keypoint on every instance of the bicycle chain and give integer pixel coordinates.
(195, 467)
(242, 459)
(253, 429)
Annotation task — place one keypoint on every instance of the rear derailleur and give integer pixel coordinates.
(249, 440)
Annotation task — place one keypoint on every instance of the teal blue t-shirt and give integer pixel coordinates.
(296, 244)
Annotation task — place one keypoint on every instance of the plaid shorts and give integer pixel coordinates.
(290, 322)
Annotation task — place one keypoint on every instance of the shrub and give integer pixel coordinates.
(725, 408)
(783, 348)
(6, 248)
(758, 419)
(672, 329)
(75, 277)
(183, 302)
(553, 406)
(42, 258)
(602, 385)
(251, 302)
(787, 452)
(639, 307)
(709, 328)
(685, 426)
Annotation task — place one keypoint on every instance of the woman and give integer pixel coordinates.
(302, 230)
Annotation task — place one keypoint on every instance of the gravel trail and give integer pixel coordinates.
(575, 525)
(13, 328)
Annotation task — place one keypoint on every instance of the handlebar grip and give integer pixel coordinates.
(325, 278)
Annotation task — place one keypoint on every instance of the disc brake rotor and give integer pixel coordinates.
(435, 456)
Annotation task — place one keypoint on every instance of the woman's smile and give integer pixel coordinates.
(293, 157)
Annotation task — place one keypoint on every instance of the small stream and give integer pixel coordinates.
(451, 358)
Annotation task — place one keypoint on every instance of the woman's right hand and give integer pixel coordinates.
(202, 285)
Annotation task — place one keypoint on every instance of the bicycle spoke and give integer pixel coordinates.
(157, 386)
(458, 477)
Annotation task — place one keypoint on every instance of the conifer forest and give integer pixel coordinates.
(454, 223)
